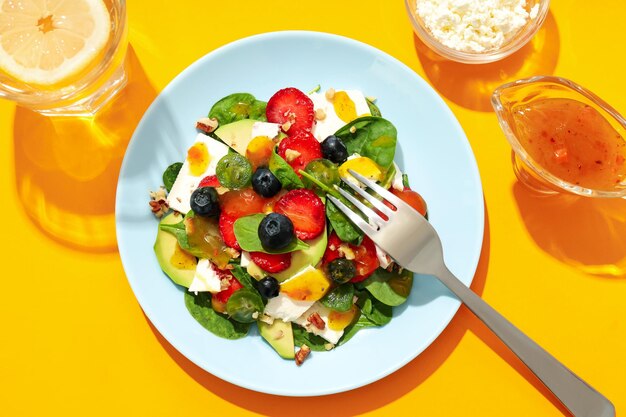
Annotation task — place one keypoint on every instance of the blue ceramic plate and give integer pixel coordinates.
(432, 149)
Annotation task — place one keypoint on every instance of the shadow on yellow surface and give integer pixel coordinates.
(471, 86)
(586, 233)
(349, 403)
(66, 168)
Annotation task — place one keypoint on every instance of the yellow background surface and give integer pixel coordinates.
(74, 341)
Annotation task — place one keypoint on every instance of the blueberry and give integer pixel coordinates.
(204, 202)
(268, 287)
(265, 183)
(275, 231)
(334, 149)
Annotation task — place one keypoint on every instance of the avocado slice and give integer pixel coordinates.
(279, 335)
(237, 134)
(179, 265)
(299, 260)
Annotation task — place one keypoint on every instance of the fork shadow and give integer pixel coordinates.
(471, 86)
(349, 403)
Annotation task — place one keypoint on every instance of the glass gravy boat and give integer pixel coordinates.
(528, 171)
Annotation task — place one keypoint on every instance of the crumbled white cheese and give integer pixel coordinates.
(474, 25)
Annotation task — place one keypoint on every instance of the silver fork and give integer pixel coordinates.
(415, 245)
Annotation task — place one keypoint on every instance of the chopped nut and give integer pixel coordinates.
(352, 129)
(330, 94)
(224, 284)
(286, 126)
(302, 354)
(317, 321)
(267, 319)
(290, 155)
(347, 251)
(332, 247)
(233, 253)
(158, 202)
(255, 315)
(207, 124)
(328, 346)
(279, 335)
(320, 114)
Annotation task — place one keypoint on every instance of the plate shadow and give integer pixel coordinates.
(66, 168)
(349, 403)
(471, 86)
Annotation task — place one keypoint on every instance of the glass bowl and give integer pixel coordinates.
(512, 45)
(529, 90)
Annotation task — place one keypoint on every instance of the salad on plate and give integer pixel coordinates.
(246, 227)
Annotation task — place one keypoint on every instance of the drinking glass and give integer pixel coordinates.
(88, 37)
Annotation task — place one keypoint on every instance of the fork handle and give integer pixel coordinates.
(575, 394)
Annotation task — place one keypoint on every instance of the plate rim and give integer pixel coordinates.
(474, 257)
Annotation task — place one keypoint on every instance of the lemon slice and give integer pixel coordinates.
(46, 41)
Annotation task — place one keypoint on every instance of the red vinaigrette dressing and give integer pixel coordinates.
(573, 142)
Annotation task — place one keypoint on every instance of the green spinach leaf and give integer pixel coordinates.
(391, 288)
(377, 312)
(284, 172)
(374, 138)
(170, 174)
(388, 178)
(339, 298)
(362, 323)
(345, 229)
(405, 180)
(302, 337)
(247, 234)
(199, 307)
(238, 106)
(179, 231)
(243, 277)
(374, 110)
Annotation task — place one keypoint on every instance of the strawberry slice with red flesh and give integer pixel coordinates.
(270, 262)
(332, 248)
(304, 149)
(305, 210)
(227, 230)
(233, 285)
(291, 105)
(209, 181)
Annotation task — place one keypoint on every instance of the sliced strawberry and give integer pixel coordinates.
(332, 248)
(270, 262)
(209, 181)
(233, 285)
(303, 148)
(305, 210)
(227, 230)
(293, 106)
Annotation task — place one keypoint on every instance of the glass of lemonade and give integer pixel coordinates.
(62, 57)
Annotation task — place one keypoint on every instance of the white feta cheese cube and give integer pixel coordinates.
(186, 183)
(205, 278)
(327, 333)
(285, 308)
(331, 123)
(245, 259)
